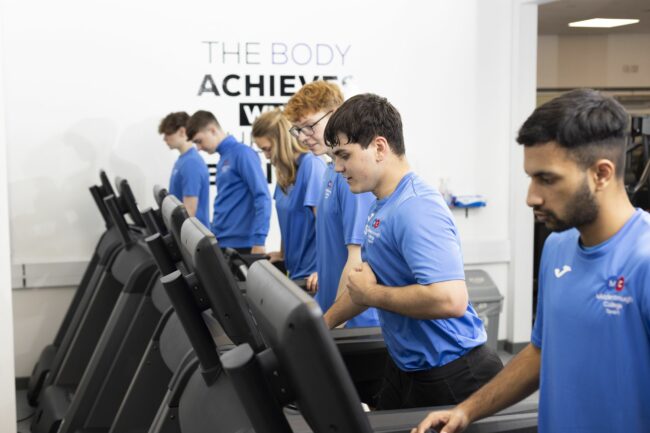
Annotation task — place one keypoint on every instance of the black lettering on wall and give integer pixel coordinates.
(207, 85)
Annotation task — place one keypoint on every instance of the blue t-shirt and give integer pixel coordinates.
(411, 238)
(296, 218)
(340, 221)
(190, 178)
(242, 208)
(593, 328)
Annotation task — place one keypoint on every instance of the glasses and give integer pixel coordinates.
(307, 130)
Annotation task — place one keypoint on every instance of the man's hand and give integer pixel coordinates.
(311, 283)
(361, 281)
(445, 421)
(275, 256)
(258, 249)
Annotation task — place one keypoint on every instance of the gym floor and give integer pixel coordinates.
(24, 411)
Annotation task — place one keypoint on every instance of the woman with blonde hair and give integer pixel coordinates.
(299, 174)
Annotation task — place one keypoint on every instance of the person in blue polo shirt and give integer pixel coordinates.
(412, 269)
(297, 191)
(190, 180)
(341, 214)
(590, 347)
(242, 208)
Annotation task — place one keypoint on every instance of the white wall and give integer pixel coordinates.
(617, 60)
(37, 315)
(7, 394)
(86, 84)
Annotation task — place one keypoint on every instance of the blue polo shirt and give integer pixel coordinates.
(411, 238)
(593, 328)
(296, 218)
(190, 178)
(242, 208)
(340, 221)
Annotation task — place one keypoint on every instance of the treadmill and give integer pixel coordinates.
(83, 367)
(302, 365)
(103, 256)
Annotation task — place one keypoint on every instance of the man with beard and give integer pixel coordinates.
(590, 347)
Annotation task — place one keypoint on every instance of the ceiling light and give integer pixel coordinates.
(603, 22)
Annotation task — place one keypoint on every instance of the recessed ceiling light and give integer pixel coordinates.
(603, 22)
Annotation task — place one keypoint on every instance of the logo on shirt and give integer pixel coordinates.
(371, 231)
(328, 189)
(225, 167)
(620, 284)
(617, 284)
(559, 273)
(613, 301)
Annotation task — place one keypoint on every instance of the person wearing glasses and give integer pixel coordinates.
(296, 195)
(412, 269)
(190, 180)
(242, 208)
(341, 214)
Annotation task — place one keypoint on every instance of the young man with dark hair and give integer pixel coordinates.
(190, 180)
(412, 269)
(242, 208)
(590, 347)
(341, 215)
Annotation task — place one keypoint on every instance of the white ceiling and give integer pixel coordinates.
(554, 17)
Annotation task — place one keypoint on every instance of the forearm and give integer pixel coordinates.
(436, 301)
(344, 277)
(191, 203)
(342, 310)
(258, 249)
(516, 381)
(353, 260)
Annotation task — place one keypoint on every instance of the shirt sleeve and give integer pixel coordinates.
(312, 176)
(538, 326)
(353, 211)
(250, 170)
(644, 296)
(193, 178)
(428, 240)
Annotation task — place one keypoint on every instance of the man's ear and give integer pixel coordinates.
(381, 147)
(604, 173)
(182, 131)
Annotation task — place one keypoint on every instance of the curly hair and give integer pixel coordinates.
(312, 98)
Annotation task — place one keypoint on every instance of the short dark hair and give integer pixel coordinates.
(588, 124)
(173, 122)
(198, 121)
(364, 117)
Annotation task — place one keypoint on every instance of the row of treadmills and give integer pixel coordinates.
(167, 333)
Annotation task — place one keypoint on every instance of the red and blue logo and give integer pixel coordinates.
(376, 223)
(617, 283)
(620, 284)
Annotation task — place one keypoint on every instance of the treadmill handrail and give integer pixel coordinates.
(118, 220)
